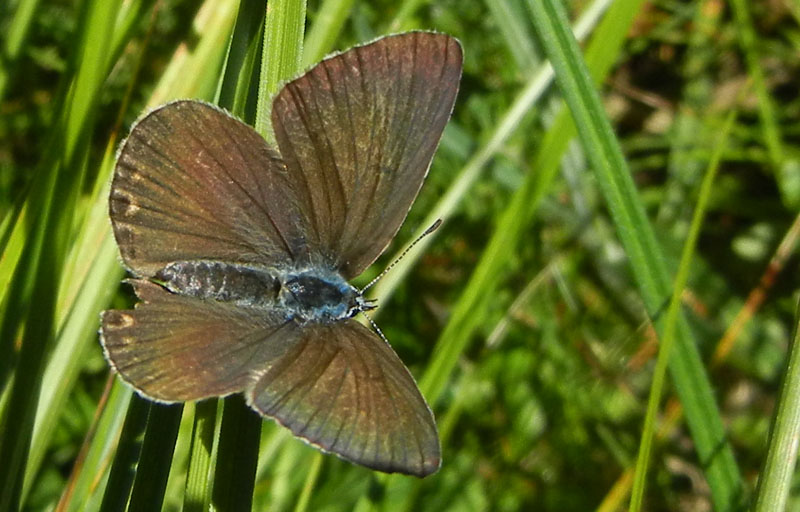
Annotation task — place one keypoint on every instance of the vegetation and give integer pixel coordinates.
(614, 281)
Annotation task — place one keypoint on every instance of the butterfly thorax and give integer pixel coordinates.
(310, 295)
(320, 296)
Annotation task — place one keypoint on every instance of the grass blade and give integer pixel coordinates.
(152, 472)
(239, 437)
(243, 55)
(326, 29)
(198, 481)
(237, 456)
(123, 469)
(775, 480)
(638, 238)
(670, 323)
(787, 174)
(281, 57)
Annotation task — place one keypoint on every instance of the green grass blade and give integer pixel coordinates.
(237, 456)
(198, 477)
(402, 19)
(510, 18)
(239, 437)
(671, 320)
(787, 176)
(194, 70)
(123, 467)
(47, 251)
(281, 57)
(243, 55)
(15, 34)
(84, 493)
(75, 339)
(16, 425)
(775, 480)
(152, 472)
(63, 160)
(638, 238)
(308, 486)
(327, 26)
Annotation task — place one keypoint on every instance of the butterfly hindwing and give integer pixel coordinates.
(344, 389)
(173, 348)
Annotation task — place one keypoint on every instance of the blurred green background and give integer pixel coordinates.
(531, 319)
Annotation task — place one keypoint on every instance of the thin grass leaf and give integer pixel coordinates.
(84, 491)
(34, 277)
(510, 18)
(237, 456)
(775, 480)
(195, 69)
(158, 446)
(66, 150)
(130, 14)
(281, 57)
(402, 19)
(327, 26)
(308, 486)
(75, 339)
(645, 256)
(670, 322)
(123, 467)
(243, 55)
(15, 35)
(787, 176)
(239, 437)
(198, 475)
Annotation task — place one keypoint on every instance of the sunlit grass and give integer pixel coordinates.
(531, 319)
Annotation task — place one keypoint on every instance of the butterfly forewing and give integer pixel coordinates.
(173, 348)
(358, 132)
(192, 182)
(345, 390)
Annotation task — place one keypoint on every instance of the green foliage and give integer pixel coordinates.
(531, 317)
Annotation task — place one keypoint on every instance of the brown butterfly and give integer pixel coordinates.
(242, 252)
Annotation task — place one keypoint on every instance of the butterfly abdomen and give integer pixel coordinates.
(224, 282)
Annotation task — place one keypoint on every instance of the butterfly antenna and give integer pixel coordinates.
(427, 232)
(375, 326)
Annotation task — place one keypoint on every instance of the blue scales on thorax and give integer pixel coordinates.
(307, 295)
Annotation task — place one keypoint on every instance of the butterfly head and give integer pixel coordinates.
(362, 304)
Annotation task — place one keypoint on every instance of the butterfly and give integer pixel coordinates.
(242, 252)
